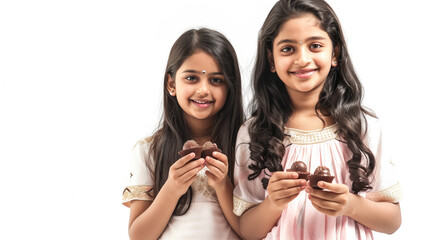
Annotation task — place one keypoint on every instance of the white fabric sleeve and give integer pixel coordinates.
(141, 181)
(247, 193)
(385, 183)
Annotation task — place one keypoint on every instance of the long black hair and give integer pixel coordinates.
(340, 98)
(173, 129)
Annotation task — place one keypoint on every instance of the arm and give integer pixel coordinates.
(148, 220)
(282, 188)
(382, 217)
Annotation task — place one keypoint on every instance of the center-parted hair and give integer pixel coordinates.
(340, 98)
(173, 130)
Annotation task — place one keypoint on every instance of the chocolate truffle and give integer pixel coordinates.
(191, 146)
(301, 168)
(321, 173)
(209, 148)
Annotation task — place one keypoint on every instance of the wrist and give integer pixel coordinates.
(349, 210)
(272, 206)
(223, 185)
(170, 191)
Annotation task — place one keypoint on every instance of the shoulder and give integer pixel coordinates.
(143, 144)
(243, 135)
(141, 151)
(372, 127)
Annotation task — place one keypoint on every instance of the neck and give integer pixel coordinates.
(304, 115)
(304, 102)
(201, 129)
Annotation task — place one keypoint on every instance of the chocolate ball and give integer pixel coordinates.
(208, 145)
(322, 171)
(299, 166)
(190, 144)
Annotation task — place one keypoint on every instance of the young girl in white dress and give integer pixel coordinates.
(173, 197)
(307, 107)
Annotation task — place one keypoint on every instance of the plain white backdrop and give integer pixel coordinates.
(81, 81)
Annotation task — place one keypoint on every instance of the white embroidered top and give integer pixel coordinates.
(203, 220)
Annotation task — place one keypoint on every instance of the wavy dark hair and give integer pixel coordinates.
(340, 98)
(173, 130)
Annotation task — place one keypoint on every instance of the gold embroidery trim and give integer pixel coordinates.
(297, 136)
(240, 206)
(137, 192)
(392, 194)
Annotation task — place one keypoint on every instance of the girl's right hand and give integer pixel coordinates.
(283, 187)
(182, 173)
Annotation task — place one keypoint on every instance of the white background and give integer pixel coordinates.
(80, 82)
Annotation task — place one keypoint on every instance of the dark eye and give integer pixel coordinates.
(217, 80)
(287, 49)
(191, 78)
(315, 46)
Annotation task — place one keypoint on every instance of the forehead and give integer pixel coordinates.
(200, 60)
(300, 28)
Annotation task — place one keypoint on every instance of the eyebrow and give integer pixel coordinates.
(199, 72)
(306, 40)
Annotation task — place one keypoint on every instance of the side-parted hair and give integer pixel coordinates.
(340, 98)
(173, 130)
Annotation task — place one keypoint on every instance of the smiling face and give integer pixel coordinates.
(302, 55)
(199, 87)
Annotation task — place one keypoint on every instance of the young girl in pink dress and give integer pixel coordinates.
(307, 107)
(173, 197)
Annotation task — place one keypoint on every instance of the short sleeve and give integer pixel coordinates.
(385, 184)
(140, 180)
(247, 193)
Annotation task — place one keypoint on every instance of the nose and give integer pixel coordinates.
(303, 57)
(203, 87)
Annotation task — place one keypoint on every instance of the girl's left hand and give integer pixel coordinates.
(218, 169)
(334, 202)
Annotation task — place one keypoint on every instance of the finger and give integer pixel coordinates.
(215, 171)
(189, 166)
(221, 157)
(216, 163)
(280, 199)
(190, 180)
(325, 204)
(183, 160)
(333, 187)
(322, 194)
(287, 183)
(280, 194)
(323, 210)
(190, 174)
(283, 175)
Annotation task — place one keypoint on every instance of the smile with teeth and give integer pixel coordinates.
(304, 73)
(201, 101)
(202, 104)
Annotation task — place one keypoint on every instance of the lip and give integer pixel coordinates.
(304, 73)
(201, 103)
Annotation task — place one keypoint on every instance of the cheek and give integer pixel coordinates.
(325, 60)
(325, 64)
(283, 65)
(182, 90)
(221, 96)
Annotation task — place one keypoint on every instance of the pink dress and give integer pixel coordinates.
(300, 220)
